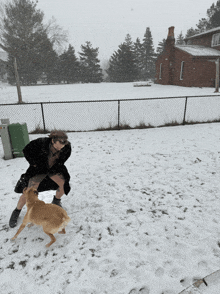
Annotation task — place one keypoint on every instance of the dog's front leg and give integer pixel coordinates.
(22, 226)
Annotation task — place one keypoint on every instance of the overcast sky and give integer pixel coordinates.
(105, 23)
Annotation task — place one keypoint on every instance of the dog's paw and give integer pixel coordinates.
(12, 239)
(30, 225)
(62, 232)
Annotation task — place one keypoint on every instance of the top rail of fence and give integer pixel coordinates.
(113, 100)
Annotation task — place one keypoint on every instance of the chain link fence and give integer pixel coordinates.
(113, 114)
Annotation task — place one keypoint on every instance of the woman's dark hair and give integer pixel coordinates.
(57, 135)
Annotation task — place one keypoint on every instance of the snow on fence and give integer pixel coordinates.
(104, 114)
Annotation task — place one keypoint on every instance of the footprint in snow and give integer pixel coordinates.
(142, 290)
(133, 291)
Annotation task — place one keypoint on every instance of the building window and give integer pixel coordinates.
(182, 70)
(160, 74)
(216, 40)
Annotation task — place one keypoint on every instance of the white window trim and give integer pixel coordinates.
(181, 70)
(216, 40)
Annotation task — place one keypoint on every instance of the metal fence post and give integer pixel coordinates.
(42, 110)
(184, 117)
(119, 114)
(113, 116)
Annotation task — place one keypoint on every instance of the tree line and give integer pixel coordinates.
(210, 22)
(133, 61)
(37, 49)
(25, 37)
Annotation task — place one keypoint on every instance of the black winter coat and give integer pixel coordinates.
(36, 153)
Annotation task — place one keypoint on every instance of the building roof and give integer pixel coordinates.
(3, 56)
(204, 33)
(197, 50)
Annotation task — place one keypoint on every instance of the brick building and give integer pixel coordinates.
(192, 64)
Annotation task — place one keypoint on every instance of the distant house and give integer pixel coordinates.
(192, 64)
(3, 66)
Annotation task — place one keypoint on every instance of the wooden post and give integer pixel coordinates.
(217, 76)
(17, 81)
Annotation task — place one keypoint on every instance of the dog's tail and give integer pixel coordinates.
(65, 220)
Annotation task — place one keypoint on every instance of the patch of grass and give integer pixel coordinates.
(109, 128)
(39, 130)
(173, 123)
(142, 125)
(191, 122)
(125, 126)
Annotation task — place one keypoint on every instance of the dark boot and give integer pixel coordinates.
(14, 218)
(56, 201)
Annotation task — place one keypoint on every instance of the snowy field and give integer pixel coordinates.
(144, 209)
(144, 204)
(100, 91)
(93, 115)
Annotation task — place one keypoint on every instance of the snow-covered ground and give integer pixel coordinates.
(144, 210)
(93, 115)
(102, 91)
(144, 204)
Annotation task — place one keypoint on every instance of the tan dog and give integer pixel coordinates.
(51, 217)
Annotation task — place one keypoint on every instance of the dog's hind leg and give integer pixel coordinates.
(53, 239)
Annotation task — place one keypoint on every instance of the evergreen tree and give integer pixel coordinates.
(138, 51)
(128, 41)
(180, 39)
(148, 56)
(160, 47)
(69, 66)
(204, 24)
(122, 64)
(213, 14)
(114, 72)
(25, 38)
(191, 32)
(91, 71)
(21, 37)
(47, 60)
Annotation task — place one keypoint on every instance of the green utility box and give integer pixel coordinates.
(19, 138)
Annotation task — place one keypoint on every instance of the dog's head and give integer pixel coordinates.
(30, 194)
